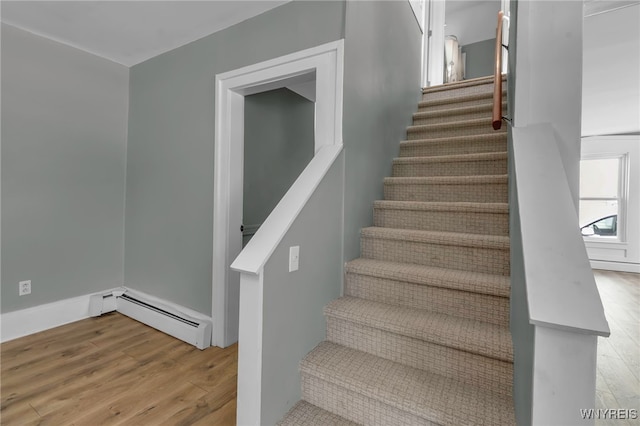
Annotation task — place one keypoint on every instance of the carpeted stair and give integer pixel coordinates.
(421, 335)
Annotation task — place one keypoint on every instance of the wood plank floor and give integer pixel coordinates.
(112, 370)
(618, 363)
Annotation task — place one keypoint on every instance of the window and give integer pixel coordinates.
(602, 197)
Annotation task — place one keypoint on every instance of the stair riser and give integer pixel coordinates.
(453, 168)
(355, 406)
(451, 117)
(474, 306)
(498, 143)
(489, 374)
(480, 193)
(304, 413)
(461, 103)
(485, 260)
(453, 93)
(415, 133)
(445, 221)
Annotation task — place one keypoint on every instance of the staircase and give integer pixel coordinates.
(421, 335)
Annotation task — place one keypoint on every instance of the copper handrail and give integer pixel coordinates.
(496, 120)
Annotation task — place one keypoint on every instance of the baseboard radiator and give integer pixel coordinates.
(196, 331)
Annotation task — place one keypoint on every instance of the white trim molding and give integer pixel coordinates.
(322, 64)
(44, 317)
(615, 266)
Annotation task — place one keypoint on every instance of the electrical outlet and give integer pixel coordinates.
(24, 287)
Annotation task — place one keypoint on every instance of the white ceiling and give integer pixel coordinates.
(596, 7)
(129, 32)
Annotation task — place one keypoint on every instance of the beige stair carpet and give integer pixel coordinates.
(421, 335)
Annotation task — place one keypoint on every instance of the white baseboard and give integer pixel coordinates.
(43, 317)
(615, 266)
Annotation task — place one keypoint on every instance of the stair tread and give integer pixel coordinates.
(460, 98)
(486, 241)
(475, 282)
(446, 180)
(430, 396)
(454, 124)
(455, 110)
(478, 81)
(443, 206)
(453, 139)
(481, 156)
(482, 338)
(306, 414)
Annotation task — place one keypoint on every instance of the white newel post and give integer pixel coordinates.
(250, 350)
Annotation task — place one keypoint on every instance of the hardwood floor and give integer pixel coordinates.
(112, 370)
(618, 371)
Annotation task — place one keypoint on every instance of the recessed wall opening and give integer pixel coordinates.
(278, 145)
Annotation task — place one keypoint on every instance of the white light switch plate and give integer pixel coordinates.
(294, 258)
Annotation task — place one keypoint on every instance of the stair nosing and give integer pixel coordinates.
(452, 139)
(433, 276)
(417, 403)
(443, 206)
(453, 158)
(472, 82)
(454, 332)
(458, 98)
(454, 111)
(300, 406)
(483, 241)
(446, 180)
(418, 128)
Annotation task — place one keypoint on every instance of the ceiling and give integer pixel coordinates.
(596, 7)
(129, 32)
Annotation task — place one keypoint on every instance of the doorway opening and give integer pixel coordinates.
(278, 145)
(314, 73)
(459, 39)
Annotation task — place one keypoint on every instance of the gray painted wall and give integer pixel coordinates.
(278, 145)
(611, 66)
(169, 208)
(64, 127)
(471, 20)
(381, 91)
(480, 58)
(293, 301)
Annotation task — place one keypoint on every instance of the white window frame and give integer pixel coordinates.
(622, 196)
(622, 254)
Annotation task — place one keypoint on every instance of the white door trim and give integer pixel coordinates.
(433, 43)
(326, 61)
